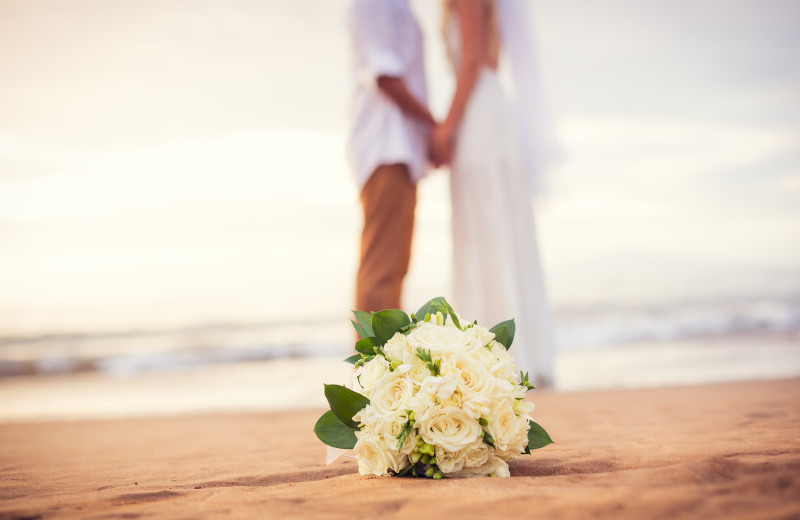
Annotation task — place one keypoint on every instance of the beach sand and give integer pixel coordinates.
(715, 451)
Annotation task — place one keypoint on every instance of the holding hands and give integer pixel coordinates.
(441, 144)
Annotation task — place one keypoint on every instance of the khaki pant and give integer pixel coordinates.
(388, 200)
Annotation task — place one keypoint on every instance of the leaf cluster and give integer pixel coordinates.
(375, 329)
(336, 426)
(524, 381)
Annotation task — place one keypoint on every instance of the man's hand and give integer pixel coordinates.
(396, 90)
(441, 144)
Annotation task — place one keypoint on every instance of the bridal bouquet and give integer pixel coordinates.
(433, 397)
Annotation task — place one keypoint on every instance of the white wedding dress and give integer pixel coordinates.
(496, 273)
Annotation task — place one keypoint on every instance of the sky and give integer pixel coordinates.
(165, 163)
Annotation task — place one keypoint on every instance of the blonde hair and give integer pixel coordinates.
(492, 30)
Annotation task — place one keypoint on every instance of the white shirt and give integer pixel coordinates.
(386, 41)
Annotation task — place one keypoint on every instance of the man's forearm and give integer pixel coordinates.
(396, 89)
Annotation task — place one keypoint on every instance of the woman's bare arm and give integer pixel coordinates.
(471, 15)
(472, 23)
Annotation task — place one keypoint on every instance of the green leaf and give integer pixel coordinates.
(406, 471)
(365, 320)
(333, 432)
(364, 346)
(500, 334)
(345, 403)
(428, 307)
(504, 332)
(445, 308)
(359, 329)
(452, 314)
(537, 437)
(401, 437)
(352, 359)
(386, 324)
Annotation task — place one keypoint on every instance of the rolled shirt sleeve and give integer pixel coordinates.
(376, 39)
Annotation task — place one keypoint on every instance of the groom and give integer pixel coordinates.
(387, 148)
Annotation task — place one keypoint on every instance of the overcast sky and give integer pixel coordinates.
(183, 160)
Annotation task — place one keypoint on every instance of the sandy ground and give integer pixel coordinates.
(714, 451)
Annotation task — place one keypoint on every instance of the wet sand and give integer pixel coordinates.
(713, 451)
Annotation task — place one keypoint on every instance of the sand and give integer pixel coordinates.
(715, 451)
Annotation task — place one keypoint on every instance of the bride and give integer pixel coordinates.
(493, 162)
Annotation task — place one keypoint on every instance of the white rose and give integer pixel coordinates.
(374, 458)
(397, 348)
(441, 340)
(372, 372)
(474, 455)
(506, 428)
(447, 427)
(493, 467)
(520, 440)
(456, 400)
(473, 378)
(518, 443)
(418, 372)
(450, 461)
(392, 392)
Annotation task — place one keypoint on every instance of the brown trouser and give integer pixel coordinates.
(388, 199)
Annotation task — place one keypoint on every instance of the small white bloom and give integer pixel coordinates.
(503, 367)
(443, 387)
(483, 334)
(499, 468)
(522, 407)
(369, 416)
(422, 404)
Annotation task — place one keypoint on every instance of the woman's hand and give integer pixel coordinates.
(441, 144)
